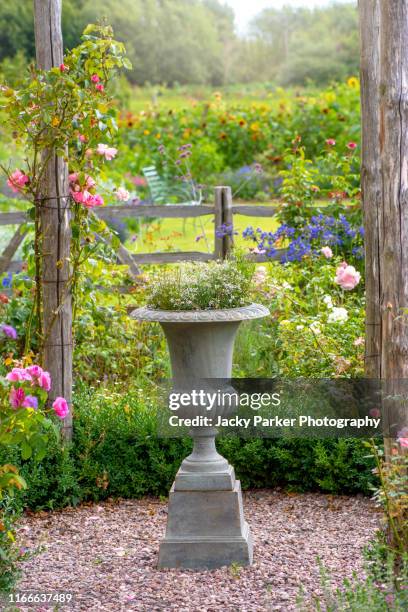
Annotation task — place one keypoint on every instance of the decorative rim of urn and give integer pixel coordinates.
(242, 313)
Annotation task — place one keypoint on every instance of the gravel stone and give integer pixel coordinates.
(106, 554)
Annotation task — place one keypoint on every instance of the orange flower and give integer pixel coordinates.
(223, 136)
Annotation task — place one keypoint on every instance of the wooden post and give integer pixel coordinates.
(223, 217)
(55, 229)
(393, 234)
(371, 176)
(384, 73)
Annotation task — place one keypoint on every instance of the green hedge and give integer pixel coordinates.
(117, 453)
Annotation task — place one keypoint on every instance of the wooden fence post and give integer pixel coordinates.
(55, 227)
(223, 223)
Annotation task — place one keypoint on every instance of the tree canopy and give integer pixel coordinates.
(194, 41)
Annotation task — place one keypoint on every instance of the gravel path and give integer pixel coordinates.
(105, 554)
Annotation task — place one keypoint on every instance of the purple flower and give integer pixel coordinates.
(30, 402)
(9, 331)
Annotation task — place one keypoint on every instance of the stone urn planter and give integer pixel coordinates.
(205, 525)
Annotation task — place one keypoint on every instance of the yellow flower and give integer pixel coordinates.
(353, 82)
(254, 127)
(55, 122)
(146, 132)
(158, 136)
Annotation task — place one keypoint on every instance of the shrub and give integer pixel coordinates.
(117, 453)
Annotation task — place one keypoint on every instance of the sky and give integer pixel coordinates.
(246, 9)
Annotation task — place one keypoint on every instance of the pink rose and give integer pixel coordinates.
(90, 183)
(108, 152)
(403, 437)
(327, 252)
(347, 277)
(17, 397)
(44, 381)
(330, 142)
(35, 370)
(122, 194)
(99, 87)
(18, 375)
(17, 180)
(73, 177)
(95, 78)
(351, 145)
(63, 67)
(61, 407)
(82, 137)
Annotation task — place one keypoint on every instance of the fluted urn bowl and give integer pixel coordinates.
(201, 345)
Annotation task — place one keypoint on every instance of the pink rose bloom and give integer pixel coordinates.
(327, 252)
(99, 87)
(403, 437)
(351, 145)
(61, 407)
(90, 183)
(95, 78)
(108, 152)
(17, 180)
(94, 200)
(63, 67)
(73, 177)
(347, 277)
(35, 370)
(17, 397)
(331, 142)
(122, 194)
(82, 138)
(18, 374)
(44, 381)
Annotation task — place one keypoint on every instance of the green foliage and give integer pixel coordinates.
(117, 453)
(202, 286)
(364, 595)
(193, 41)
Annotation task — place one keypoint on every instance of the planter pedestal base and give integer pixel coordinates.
(205, 529)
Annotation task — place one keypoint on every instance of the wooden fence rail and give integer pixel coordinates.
(223, 212)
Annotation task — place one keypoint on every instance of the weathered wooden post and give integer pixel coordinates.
(55, 228)
(384, 98)
(223, 218)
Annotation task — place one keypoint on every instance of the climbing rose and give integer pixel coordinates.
(63, 68)
(338, 315)
(44, 380)
(9, 331)
(18, 374)
(35, 370)
(403, 437)
(17, 397)
(61, 407)
(331, 142)
(100, 87)
(95, 78)
(327, 252)
(347, 277)
(94, 200)
(122, 194)
(108, 152)
(351, 145)
(17, 180)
